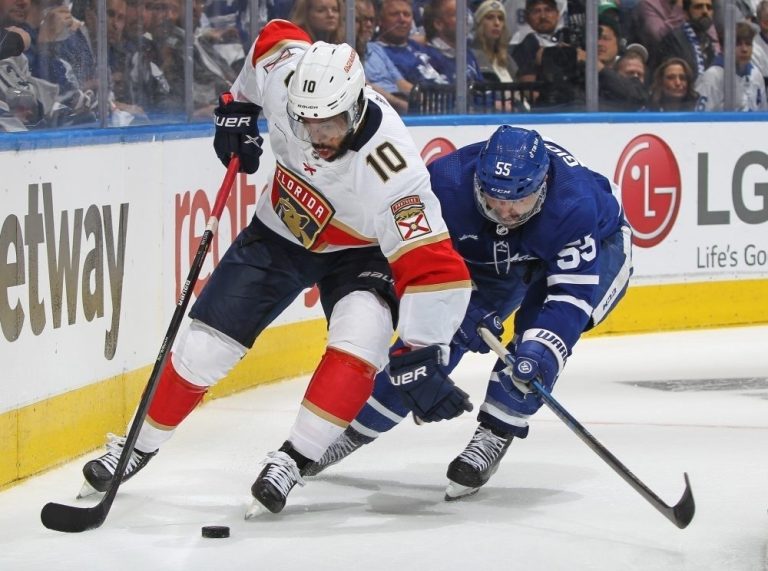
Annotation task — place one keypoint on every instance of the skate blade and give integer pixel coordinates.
(256, 510)
(86, 490)
(456, 491)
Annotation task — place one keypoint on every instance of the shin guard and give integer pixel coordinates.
(340, 386)
(174, 399)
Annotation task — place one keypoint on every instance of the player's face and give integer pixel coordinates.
(511, 212)
(327, 135)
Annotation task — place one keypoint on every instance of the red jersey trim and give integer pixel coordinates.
(430, 267)
(275, 33)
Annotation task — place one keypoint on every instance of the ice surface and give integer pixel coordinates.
(664, 404)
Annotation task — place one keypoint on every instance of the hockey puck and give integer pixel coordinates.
(215, 531)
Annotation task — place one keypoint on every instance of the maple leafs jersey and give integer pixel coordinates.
(563, 240)
(378, 193)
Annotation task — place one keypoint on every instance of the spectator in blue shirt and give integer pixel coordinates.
(380, 72)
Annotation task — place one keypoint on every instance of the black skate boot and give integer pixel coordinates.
(279, 476)
(99, 472)
(477, 463)
(349, 441)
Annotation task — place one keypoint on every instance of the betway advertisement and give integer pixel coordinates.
(96, 242)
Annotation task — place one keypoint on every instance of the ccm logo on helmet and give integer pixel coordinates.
(233, 121)
(409, 376)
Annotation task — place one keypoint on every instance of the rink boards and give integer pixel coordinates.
(97, 242)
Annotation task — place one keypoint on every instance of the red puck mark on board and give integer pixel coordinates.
(649, 178)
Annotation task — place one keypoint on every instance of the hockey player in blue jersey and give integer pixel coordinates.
(542, 235)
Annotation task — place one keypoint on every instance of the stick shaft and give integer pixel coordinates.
(61, 517)
(680, 514)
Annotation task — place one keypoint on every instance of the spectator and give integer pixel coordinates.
(490, 43)
(760, 43)
(321, 19)
(380, 72)
(615, 91)
(672, 87)
(551, 58)
(633, 63)
(517, 20)
(165, 48)
(691, 40)
(750, 85)
(654, 19)
(137, 76)
(410, 57)
(440, 32)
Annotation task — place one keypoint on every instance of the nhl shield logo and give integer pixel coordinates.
(410, 218)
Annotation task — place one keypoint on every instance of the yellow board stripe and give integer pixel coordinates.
(39, 436)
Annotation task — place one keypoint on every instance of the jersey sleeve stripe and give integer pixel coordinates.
(275, 35)
(580, 303)
(403, 251)
(448, 270)
(557, 279)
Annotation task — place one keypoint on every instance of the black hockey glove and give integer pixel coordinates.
(237, 132)
(424, 387)
(478, 314)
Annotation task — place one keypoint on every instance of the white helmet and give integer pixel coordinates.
(328, 81)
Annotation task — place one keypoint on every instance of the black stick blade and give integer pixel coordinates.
(684, 510)
(70, 519)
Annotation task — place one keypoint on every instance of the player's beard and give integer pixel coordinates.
(340, 151)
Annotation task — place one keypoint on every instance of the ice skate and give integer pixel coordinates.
(471, 469)
(99, 472)
(271, 488)
(349, 441)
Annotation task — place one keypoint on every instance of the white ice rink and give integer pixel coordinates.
(664, 404)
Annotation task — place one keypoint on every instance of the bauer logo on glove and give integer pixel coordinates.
(409, 376)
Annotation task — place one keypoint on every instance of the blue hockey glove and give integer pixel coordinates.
(539, 355)
(424, 387)
(477, 315)
(237, 132)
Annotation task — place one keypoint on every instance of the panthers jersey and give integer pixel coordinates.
(378, 193)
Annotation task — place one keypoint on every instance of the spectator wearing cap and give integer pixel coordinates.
(633, 63)
(542, 16)
(750, 86)
(490, 43)
(616, 92)
(691, 40)
(760, 43)
(517, 21)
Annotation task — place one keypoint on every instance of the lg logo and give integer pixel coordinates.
(649, 178)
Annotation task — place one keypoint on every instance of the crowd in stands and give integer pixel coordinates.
(652, 55)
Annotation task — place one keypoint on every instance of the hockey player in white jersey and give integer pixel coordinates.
(350, 209)
(543, 237)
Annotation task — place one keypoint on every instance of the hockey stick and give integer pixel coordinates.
(61, 517)
(680, 514)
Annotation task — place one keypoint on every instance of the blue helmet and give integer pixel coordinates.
(511, 170)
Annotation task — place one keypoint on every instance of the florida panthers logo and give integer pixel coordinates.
(303, 210)
(410, 218)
